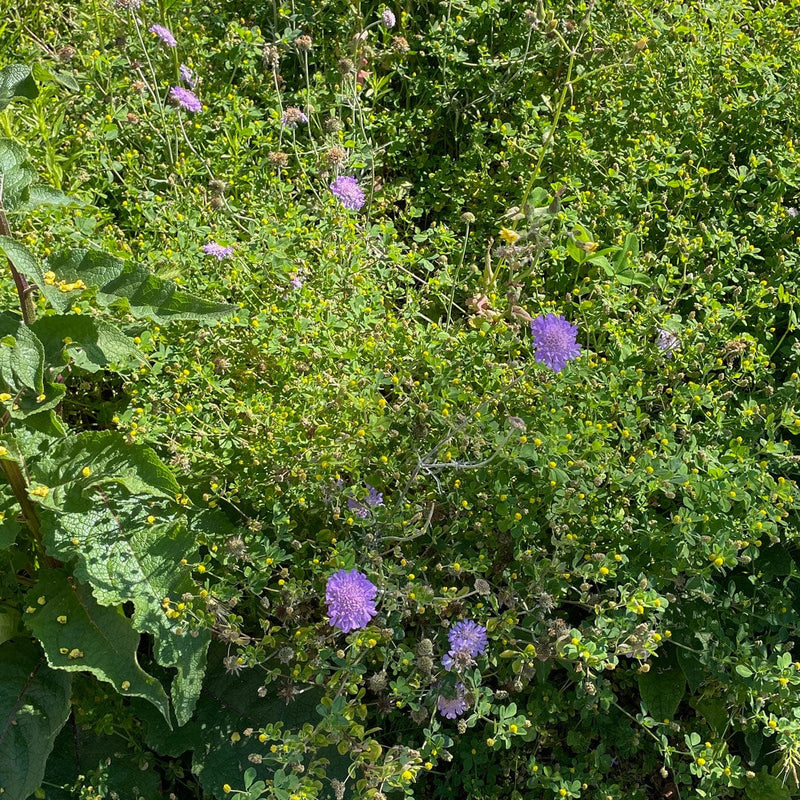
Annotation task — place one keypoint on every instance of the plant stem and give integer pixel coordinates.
(20, 281)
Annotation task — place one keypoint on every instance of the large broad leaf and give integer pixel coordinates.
(34, 705)
(78, 634)
(91, 343)
(766, 787)
(22, 365)
(16, 81)
(75, 468)
(41, 195)
(663, 687)
(22, 360)
(16, 173)
(126, 559)
(129, 285)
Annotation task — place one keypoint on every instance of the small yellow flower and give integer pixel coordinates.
(508, 236)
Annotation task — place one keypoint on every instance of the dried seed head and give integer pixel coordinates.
(400, 45)
(218, 186)
(303, 44)
(332, 124)
(378, 682)
(425, 647)
(278, 159)
(270, 57)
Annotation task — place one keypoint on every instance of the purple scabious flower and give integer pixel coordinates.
(185, 98)
(667, 341)
(467, 640)
(374, 498)
(388, 19)
(359, 509)
(350, 597)
(555, 341)
(217, 250)
(187, 76)
(452, 707)
(164, 34)
(292, 117)
(467, 636)
(296, 282)
(348, 192)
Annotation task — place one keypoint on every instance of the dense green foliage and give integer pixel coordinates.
(190, 443)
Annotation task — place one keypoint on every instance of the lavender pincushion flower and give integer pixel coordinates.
(668, 341)
(217, 250)
(187, 76)
(388, 19)
(346, 189)
(468, 637)
(186, 99)
(292, 117)
(452, 707)
(164, 34)
(555, 341)
(467, 640)
(350, 597)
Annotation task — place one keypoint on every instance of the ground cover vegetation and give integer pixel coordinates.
(399, 401)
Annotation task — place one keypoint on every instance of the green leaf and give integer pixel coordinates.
(125, 559)
(628, 252)
(23, 260)
(9, 623)
(693, 670)
(41, 195)
(16, 81)
(131, 286)
(91, 343)
(744, 671)
(34, 705)
(766, 787)
(714, 710)
(79, 635)
(774, 561)
(110, 460)
(16, 173)
(663, 687)
(22, 361)
(9, 528)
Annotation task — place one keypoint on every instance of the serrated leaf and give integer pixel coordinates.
(133, 286)
(91, 343)
(23, 260)
(125, 559)
(34, 705)
(22, 360)
(79, 635)
(41, 195)
(16, 173)
(111, 461)
(663, 687)
(16, 80)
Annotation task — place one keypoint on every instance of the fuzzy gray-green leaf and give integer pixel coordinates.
(78, 634)
(34, 705)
